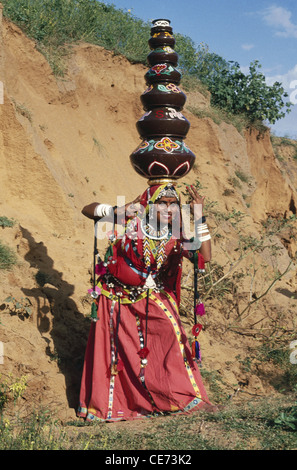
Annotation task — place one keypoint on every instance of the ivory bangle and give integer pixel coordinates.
(202, 230)
(205, 238)
(103, 210)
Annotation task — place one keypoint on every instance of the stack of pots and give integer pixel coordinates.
(162, 155)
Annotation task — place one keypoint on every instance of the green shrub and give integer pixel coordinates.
(6, 222)
(54, 23)
(7, 257)
(238, 93)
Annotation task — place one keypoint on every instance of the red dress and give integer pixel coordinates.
(138, 360)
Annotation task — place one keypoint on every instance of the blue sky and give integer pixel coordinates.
(239, 30)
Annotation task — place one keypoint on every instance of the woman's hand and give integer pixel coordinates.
(133, 207)
(197, 201)
(129, 209)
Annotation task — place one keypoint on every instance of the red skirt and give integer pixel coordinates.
(169, 382)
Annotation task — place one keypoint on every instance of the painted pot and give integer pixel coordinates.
(161, 38)
(161, 25)
(162, 154)
(162, 73)
(163, 121)
(163, 54)
(166, 157)
(167, 94)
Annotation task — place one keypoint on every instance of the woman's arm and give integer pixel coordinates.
(205, 250)
(198, 200)
(97, 211)
(89, 210)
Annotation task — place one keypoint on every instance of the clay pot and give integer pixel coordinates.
(161, 122)
(163, 54)
(161, 24)
(166, 157)
(167, 94)
(162, 154)
(161, 38)
(162, 73)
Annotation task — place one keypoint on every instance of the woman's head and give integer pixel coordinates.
(161, 203)
(166, 209)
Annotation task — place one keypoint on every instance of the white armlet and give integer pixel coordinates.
(103, 210)
(202, 232)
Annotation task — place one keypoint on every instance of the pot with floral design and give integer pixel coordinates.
(162, 153)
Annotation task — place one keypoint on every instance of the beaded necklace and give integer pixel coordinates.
(154, 243)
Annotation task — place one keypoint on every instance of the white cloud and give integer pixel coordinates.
(281, 19)
(286, 79)
(287, 126)
(247, 47)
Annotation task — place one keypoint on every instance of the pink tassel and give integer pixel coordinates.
(100, 269)
(95, 292)
(200, 310)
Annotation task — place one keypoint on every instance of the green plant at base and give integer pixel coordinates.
(288, 418)
(22, 307)
(11, 389)
(7, 257)
(6, 222)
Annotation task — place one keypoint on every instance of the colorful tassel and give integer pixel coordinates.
(100, 269)
(94, 311)
(196, 350)
(116, 367)
(200, 310)
(95, 293)
(196, 329)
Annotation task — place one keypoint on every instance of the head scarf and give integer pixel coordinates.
(153, 193)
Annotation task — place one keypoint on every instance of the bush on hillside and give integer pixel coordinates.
(241, 93)
(56, 22)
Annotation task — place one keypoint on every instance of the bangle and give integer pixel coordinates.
(205, 238)
(202, 231)
(201, 228)
(103, 210)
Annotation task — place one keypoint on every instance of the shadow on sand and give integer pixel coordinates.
(58, 315)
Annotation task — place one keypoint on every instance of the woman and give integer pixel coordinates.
(138, 361)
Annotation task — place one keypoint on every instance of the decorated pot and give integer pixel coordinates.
(161, 38)
(161, 55)
(162, 153)
(163, 94)
(165, 157)
(161, 25)
(160, 73)
(163, 121)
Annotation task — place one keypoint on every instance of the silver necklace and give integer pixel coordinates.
(150, 232)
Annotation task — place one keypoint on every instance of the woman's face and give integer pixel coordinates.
(166, 209)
